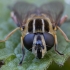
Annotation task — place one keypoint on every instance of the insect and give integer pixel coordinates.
(38, 26)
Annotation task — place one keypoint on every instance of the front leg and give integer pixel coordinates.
(11, 33)
(56, 46)
(23, 51)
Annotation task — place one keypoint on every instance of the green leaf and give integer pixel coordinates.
(10, 51)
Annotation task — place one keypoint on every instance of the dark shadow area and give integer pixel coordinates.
(1, 63)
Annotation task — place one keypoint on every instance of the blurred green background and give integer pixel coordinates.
(5, 15)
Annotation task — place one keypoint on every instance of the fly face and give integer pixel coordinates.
(39, 35)
(39, 46)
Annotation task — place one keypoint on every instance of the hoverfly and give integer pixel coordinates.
(38, 26)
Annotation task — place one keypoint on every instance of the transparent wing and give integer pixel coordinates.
(22, 9)
(54, 10)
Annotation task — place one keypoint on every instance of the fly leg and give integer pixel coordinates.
(23, 51)
(66, 38)
(56, 46)
(11, 33)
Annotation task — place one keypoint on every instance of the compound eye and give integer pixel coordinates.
(49, 39)
(28, 41)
